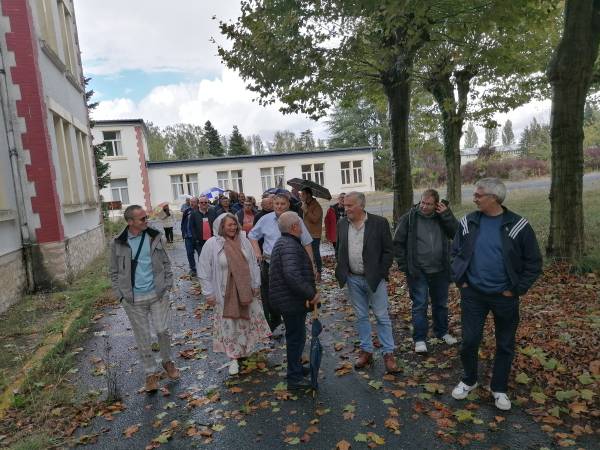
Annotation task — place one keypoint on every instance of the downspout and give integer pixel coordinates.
(26, 241)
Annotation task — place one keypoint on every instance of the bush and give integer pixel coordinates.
(507, 169)
(591, 158)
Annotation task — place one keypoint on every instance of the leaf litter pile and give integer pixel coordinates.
(555, 380)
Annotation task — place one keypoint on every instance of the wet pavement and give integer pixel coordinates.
(209, 409)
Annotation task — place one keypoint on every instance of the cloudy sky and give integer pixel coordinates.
(157, 62)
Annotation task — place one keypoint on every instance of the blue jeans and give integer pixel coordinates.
(475, 307)
(316, 248)
(192, 247)
(295, 338)
(421, 287)
(361, 298)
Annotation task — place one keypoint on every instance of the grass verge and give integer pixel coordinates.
(43, 393)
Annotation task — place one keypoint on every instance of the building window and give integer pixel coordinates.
(272, 177)
(66, 28)
(66, 158)
(112, 143)
(46, 21)
(85, 165)
(191, 181)
(351, 172)
(227, 180)
(119, 191)
(314, 172)
(177, 186)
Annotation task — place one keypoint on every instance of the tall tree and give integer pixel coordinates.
(186, 141)
(471, 139)
(99, 150)
(157, 144)
(572, 71)
(284, 142)
(237, 144)
(306, 141)
(211, 136)
(490, 137)
(535, 140)
(508, 136)
(258, 146)
(309, 54)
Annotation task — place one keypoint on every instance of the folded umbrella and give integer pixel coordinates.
(316, 349)
(317, 189)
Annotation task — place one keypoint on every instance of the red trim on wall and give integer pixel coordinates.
(22, 41)
(143, 167)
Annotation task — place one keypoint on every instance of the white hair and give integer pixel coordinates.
(493, 186)
(287, 220)
(362, 201)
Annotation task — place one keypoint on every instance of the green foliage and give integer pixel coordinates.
(157, 144)
(186, 141)
(491, 136)
(213, 141)
(535, 141)
(283, 142)
(591, 126)
(102, 168)
(471, 139)
(306, 141)
(237, 144)
(508, 136)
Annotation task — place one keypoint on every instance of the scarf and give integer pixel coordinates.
(238, 290)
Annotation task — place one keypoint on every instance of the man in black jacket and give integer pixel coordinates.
(291, 287)
(364, 256)
(201, 223)
(421, 247)
(496, 259)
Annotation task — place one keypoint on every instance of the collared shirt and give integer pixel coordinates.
(144, 276)
(356, 239)
(268, 229)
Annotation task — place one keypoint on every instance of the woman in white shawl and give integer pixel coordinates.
(230, 280)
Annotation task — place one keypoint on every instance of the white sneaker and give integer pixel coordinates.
(420, 347)
(461, 391)
(502, 401)
(449, 339)
(234, 367)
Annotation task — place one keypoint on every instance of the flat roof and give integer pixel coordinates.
(119, 122)
(263, 156)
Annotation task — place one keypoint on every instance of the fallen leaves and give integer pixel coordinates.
(131, 430)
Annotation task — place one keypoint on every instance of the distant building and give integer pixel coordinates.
(505, 151)
(50, 218)
(148, 183)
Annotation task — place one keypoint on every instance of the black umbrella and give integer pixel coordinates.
(316, 349)
(317, 189)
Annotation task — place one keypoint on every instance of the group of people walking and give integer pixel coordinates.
(260, 275)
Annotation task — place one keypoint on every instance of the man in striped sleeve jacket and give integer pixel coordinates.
(495, 259)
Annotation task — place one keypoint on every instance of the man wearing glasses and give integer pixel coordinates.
(496, 259)
(141, 277)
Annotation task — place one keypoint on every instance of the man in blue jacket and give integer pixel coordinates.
(496, 259)
(291, 289)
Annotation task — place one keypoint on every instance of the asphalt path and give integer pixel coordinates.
(384, 204)
(259, 416)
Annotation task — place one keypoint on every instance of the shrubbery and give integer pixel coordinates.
(507, 169)
(591, 158)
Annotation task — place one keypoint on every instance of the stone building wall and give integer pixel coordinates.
(12, 278)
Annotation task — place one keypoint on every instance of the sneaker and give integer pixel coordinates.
(172, 371)
(152, 383)
(461, 391)
(234, 367)
(420, 347)
(502, 401)
(449, 339)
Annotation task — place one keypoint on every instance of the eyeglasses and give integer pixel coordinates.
(143, 219)
(476, 195)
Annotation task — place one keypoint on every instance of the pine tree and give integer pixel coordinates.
(99, 150)
(508, 137)
(491, 136)
(471, 139)
(215, 147)
(237, 144)
(306, 141)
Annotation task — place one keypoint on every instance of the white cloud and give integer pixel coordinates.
(224, 101)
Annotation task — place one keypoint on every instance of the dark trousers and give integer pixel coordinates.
(295, 338)
(421, 286)
(273, 317)
(316, 248)
(169, 234)
(192, 247)
(475, 307)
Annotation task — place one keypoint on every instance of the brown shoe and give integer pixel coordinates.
(376, 342)
(152, 382)
(390, 363)
(364, 359)
(172, 371)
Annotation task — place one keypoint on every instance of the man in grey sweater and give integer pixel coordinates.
(421, 247)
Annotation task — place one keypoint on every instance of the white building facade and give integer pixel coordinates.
(134, 180)
(50, 218)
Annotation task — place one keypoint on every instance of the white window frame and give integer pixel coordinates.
(120, 190)
(223, 179)
(351, 172)
(312, 174)
(272, 177)
(115, 144)
(177, 186)
(191, 184)
(236, 180)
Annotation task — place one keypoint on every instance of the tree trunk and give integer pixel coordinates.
(452, 130)
(570, 73)
(398, 96)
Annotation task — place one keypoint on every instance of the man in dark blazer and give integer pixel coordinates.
(364, 254)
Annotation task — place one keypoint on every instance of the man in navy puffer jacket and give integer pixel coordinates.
(291, 286)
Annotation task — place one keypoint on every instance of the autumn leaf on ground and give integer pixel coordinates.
(130, 431)
(343, 445)
(292, 428)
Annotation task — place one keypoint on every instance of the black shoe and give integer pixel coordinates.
(298, 386)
